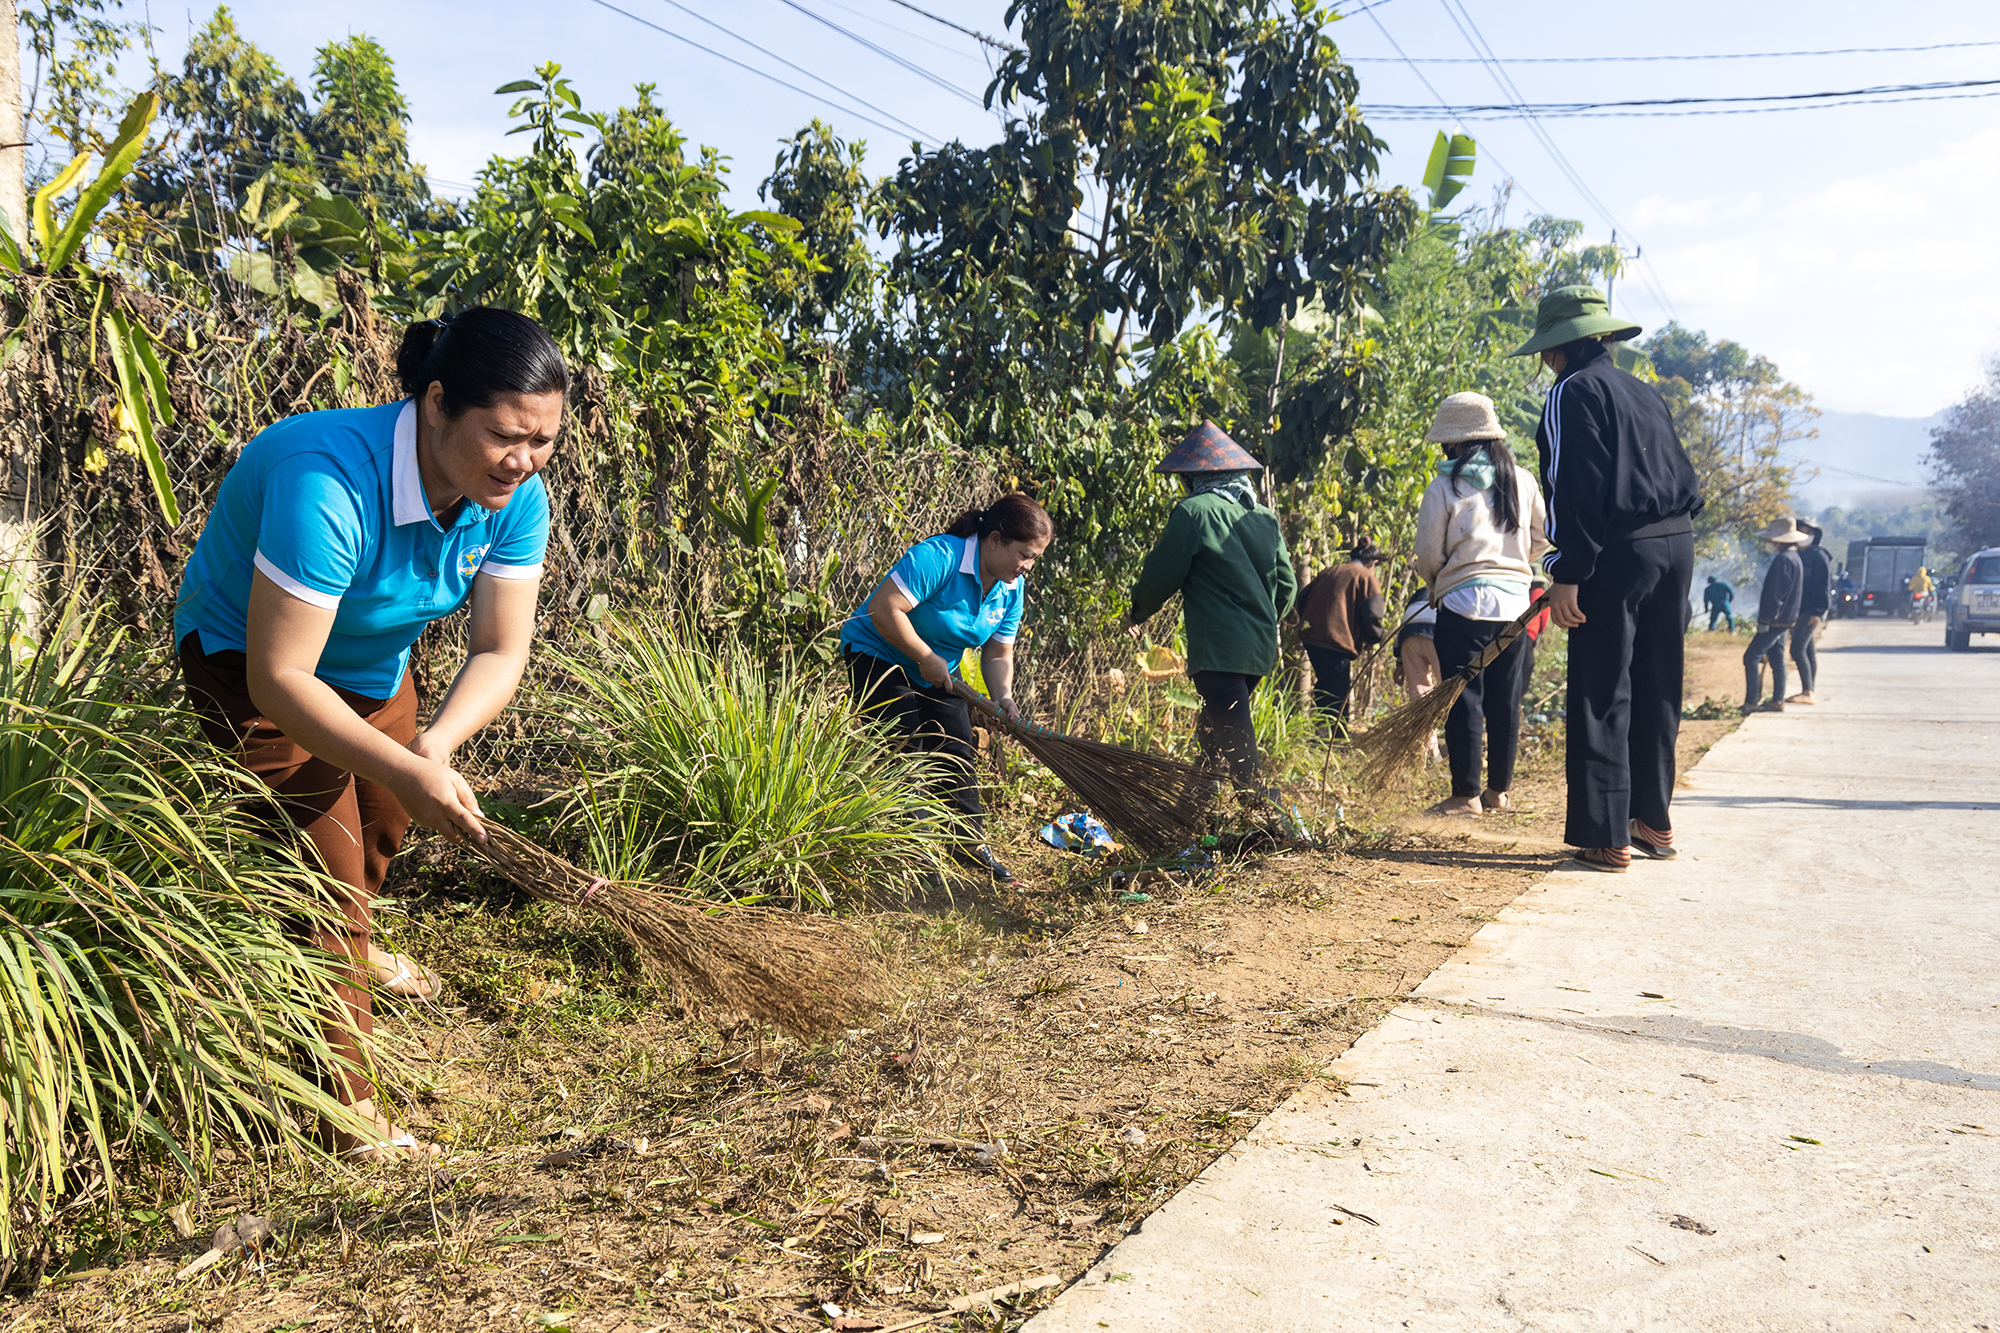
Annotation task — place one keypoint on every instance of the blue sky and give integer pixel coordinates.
(1853, 246)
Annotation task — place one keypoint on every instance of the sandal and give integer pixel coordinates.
(1607, 860)
(405, 978)
(1659, 846)
(1496, 801)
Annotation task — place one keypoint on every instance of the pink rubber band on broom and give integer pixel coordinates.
(595, 885)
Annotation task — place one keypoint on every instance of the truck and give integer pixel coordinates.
(1881, 567)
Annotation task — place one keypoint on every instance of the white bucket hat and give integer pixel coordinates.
(1466, 416)
(1785, 532)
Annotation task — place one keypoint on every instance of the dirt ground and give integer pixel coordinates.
(1065, 1058)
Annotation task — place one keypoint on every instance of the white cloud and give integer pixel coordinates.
(1876, 292)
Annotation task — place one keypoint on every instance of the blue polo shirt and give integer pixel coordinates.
(941, 576)
(330, 506)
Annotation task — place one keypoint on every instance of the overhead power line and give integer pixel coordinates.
(1442, 104)
(800, 68)
(1716, 55)
(938, 18)
(887, 54)
(1469, 29)
(1950, 90)
(911, 33)
(762, 74)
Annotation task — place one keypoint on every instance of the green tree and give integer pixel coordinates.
(1964, 463)
(72, 88)
(817, 181)
(359, 136)
(1735, 414)
(233, 117)
(1168, 162)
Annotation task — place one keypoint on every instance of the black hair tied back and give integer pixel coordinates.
(479, 354)
(1015, 516)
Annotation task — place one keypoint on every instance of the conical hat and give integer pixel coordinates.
(1785, 532)
(1208, 449)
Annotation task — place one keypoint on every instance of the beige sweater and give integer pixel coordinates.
(1458, 541)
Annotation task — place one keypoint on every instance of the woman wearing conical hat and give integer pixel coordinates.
(1224, 553)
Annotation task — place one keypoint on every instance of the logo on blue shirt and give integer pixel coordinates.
(469, 558)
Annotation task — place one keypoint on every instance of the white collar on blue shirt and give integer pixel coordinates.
(407, 500)
(968, 563)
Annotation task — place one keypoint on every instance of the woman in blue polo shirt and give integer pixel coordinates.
(963, 589)
(335, 538)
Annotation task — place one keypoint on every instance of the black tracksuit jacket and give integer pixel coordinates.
(1612, 467)
(1784, 586)
(1818, 594)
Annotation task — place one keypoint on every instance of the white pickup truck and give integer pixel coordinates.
(1974, 605)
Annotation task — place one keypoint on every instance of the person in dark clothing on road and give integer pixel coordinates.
(1717, 597)
(1777, 612)
(1224, 553)
(1621, 501)
(1815, 601)
(1340, 615)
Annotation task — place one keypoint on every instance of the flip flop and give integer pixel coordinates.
(401, 1141)
(422, 984)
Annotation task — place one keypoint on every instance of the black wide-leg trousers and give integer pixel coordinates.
(1488, 713)
(1625, 664)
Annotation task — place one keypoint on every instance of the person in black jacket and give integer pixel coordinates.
(1814, 603)
(1777, 612)
(1622, 497)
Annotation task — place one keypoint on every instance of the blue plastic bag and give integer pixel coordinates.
(1079, 832)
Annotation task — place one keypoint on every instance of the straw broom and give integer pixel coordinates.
(1399, 740)
(807, 975)
(1155, 803)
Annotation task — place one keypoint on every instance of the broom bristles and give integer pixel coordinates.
(805, 974)
(1157, 804)
(1395, 744)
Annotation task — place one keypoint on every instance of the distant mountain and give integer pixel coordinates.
(1864, 459)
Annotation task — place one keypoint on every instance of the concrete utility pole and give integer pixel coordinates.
(19, 501)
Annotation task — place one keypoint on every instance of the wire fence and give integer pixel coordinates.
(634, 493)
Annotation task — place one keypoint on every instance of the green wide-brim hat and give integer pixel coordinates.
(1569, 313)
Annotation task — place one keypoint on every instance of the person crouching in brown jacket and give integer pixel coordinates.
(1340, 616)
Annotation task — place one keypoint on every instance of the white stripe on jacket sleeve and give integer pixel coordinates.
(500, 571)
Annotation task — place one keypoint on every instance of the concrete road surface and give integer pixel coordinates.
(1754, 1088)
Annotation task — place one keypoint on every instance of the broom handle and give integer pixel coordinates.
(981, 704)
(1504, 639)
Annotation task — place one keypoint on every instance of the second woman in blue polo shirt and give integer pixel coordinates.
(962, 589)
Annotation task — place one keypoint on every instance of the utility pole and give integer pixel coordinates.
(18, 472)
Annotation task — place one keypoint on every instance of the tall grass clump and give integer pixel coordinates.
(737, 779)
(152, 1004)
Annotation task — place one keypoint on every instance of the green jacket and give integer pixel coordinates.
(1235, 579)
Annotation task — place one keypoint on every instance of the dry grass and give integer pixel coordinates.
(615, 1163)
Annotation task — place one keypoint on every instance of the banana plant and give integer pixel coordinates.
(1450, 168)
(59, 247)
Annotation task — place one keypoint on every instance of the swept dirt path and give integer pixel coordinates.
(614, 1165)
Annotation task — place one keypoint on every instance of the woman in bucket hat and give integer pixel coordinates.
(1225, 554)
(1480, 529)
(1621, 502)
(1777, 611)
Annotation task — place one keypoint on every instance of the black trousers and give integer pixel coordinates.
(1625, 664)
(934, 721)
(1333, 679)
(1768, 644)
(1490, 708)
(1805, 655)
(1223, 731)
